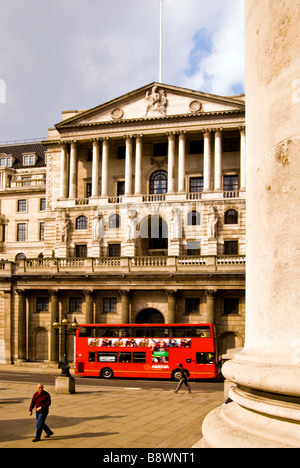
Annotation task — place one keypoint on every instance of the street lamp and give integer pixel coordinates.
(65, 329)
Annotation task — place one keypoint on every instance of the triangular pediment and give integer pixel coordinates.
(154, 101)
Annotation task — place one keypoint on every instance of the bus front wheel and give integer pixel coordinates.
(107, 373)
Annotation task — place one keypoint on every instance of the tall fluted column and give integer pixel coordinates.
(181, 163)
(210, 305)
(128, 166)
(54, 341)
(171, 305)
(207, 161)
(22, 327)
(138, 164)
(105, 159)
(218, 160)
(64, 171)
(73, 170)
(95, 169)
(125, 297)
(89, 313)
(243, 159)
(265, 412)
(171, 163)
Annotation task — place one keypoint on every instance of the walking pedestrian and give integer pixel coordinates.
(183, 379)
(41, 401)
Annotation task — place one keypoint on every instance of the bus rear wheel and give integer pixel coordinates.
(106, 373)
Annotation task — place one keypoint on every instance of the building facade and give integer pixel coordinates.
(131, 212)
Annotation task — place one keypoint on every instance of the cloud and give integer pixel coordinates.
(65, 54)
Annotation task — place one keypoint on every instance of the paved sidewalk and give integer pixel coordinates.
(106, 417)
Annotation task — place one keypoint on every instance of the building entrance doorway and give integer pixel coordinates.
(150, 316)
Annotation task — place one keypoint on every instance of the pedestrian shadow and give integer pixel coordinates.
(8, 427)
(82, 435)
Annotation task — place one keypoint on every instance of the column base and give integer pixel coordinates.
(233, 426)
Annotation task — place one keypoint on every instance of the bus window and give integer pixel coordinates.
(139, 358)
(203, 332)
(87, 332)
(106, 332)
(139, 332)
(124, 332)
(92, 357)
(106, 357)
(124, 357)
(204, 358)
(179, 332)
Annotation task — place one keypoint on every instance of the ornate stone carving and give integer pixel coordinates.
(157, 102)
(196, 107)
(117, 114)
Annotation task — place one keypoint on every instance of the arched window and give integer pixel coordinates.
(114, 221)
(231, 217)
(158, 183)
(81, 223)
(193, 218)
(150, 316)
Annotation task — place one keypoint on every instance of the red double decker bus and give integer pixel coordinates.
(145, 351)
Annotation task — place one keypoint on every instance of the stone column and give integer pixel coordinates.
(218, 161)
(22, 328)
(207, 161)
(89, 313)
(125, 297)
(73, 170)
(181, 163)
(265, 409)
(171, 305)
(54, 340)
(105, 159)
(171, 162)
(128, 166)
(243, 159)
(64, 171)
(138, 165)
(95, 169)
(210, 305)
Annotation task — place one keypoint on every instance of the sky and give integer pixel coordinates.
(58, 55)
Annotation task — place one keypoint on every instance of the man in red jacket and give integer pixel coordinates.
(41, 400)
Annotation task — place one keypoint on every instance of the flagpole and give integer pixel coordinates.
(160, 42)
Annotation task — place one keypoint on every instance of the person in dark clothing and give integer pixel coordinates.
(41, 401)
(183, 379)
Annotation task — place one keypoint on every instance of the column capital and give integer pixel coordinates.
(206, 131)
(182, 134)
(171, 135)
(218, 130)
(104, 139)
(88, 292)
(242, 130)
(128, 137)
(171, 293)
(211, 293)
(53, 292)
(20, 292)
(124, 292)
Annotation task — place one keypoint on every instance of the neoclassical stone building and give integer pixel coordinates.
(130, 212)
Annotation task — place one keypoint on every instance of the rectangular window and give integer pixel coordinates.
(139, 358)
(88, 190)
(114, 250)
(43, 204)
(231, 144)
(197, 147)
(125, 357)
(109, 305)
(21, 232)
(193, 248)
(42, 232)
(231, 247)
(75, 304)
(121, 188)
(231, 306)
(22, 206)
(192, 305)
(92, 356)
(196, 184)
(81, 251)
(106, 357)
(42, 304)
(121, 152)
(160, 149)
(204, 358)
(231, 183)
